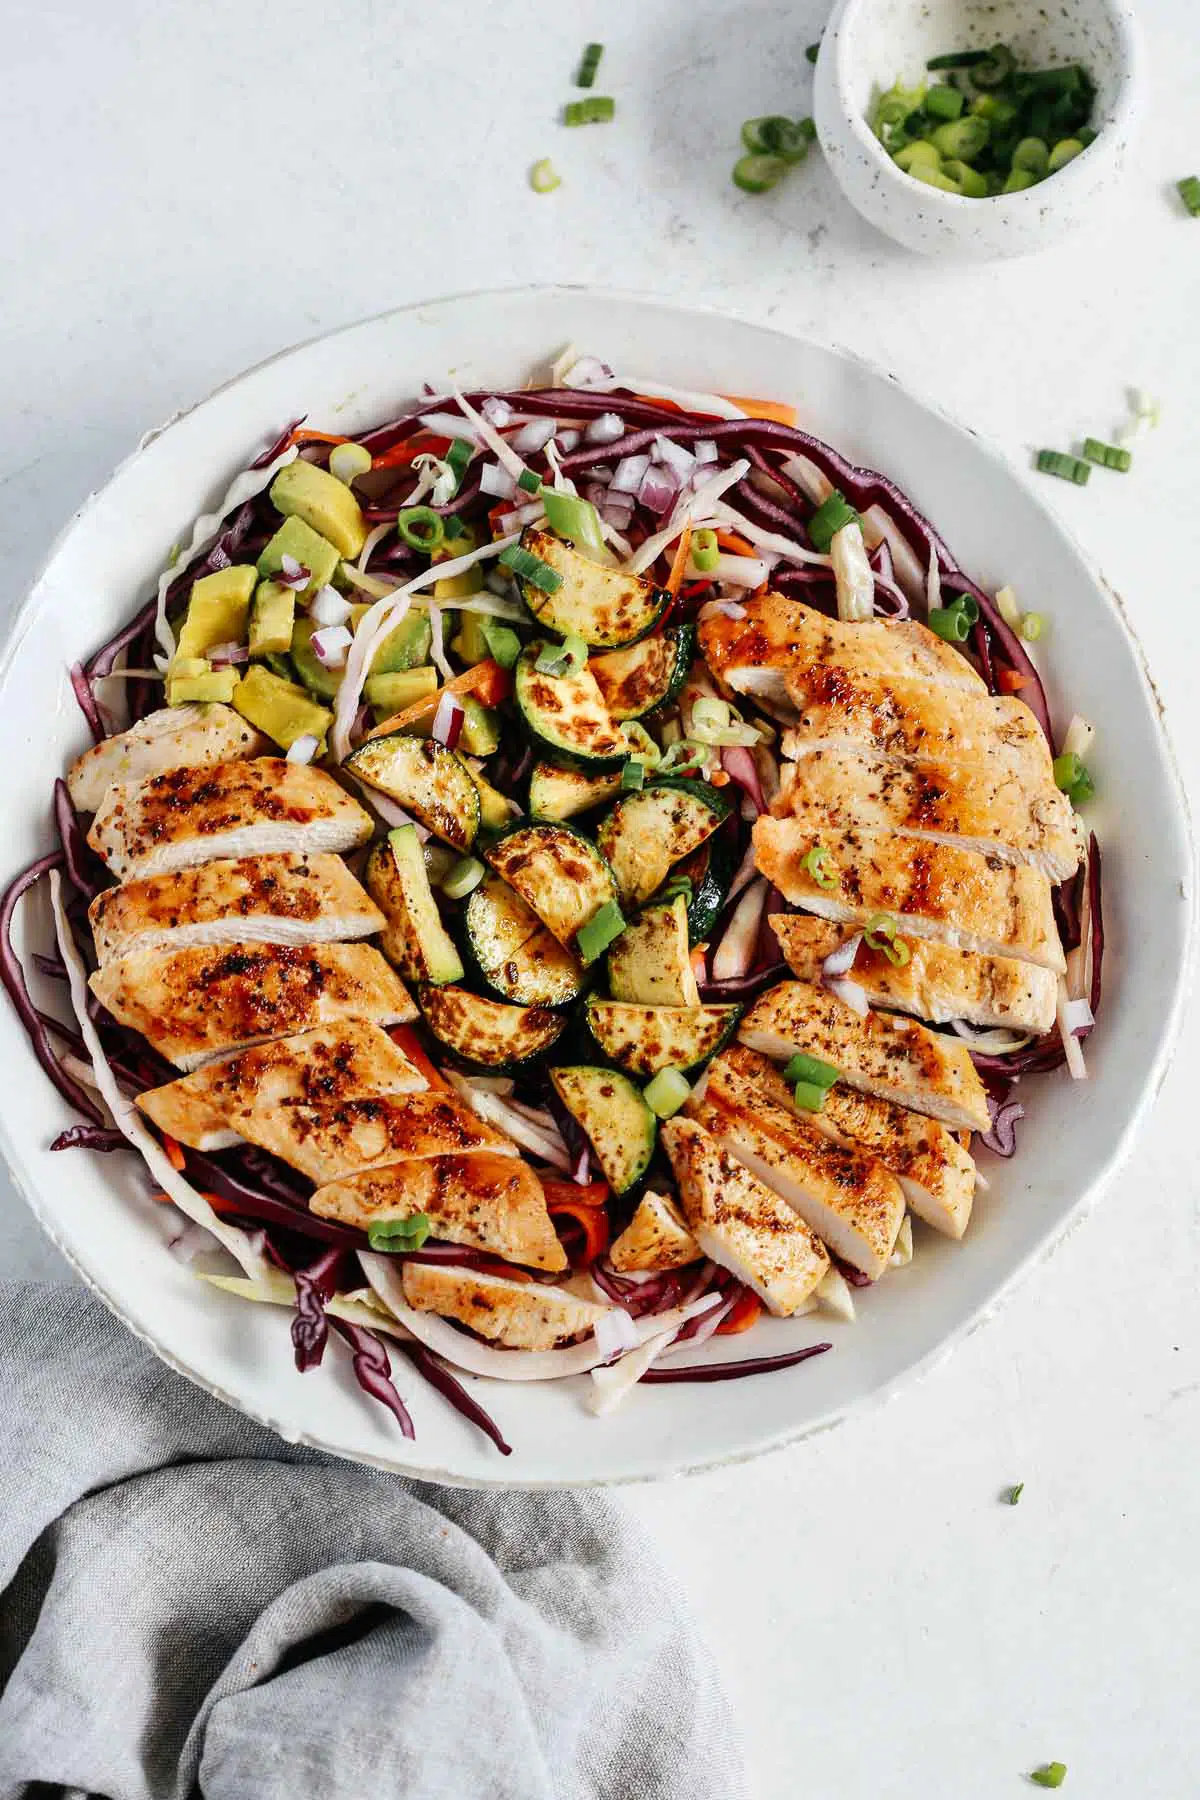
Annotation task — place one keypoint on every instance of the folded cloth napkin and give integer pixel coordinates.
(189, 1606)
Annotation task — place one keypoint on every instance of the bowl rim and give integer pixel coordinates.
(862, 1403)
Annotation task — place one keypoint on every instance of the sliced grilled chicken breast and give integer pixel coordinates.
(842, 1191)
(938, 982)
(344, 1137)
(195, 1004)
(753, 655)
(175, 737)
(349, 1060)
(189, 816)
(523, 1315)
(883, 1054)
(934, 891)
(657, 1237)
(988, 807)
(486, 1201)
(914, 717)
(741, 1223)
(284, 899)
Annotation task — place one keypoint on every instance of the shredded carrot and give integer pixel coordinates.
(218, 1202)
(406, 1039)
(594, 1221)
(1009, 682)
(567, 1193)
(487, 680)
(744, 1313)
(422, 443)
(732, 541)
(718, 778)
(764, 409)
(699, 961)
(506, 1269)
(680, 560)
(695, 588)
(174, 1153)
(302, 435)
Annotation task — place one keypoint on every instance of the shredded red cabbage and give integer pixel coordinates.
(373, 1370)
(310, 1327)
(438, 1376)
(733, 1371)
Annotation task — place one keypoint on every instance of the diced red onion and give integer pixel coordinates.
(605, 429)
(616, 1332)
(451, 425)
(520, 517)
(585, 371)
(568, 440)
(328, 607)
(534, 437)
(739, 765)
(705, 451)
(627, 476)
(330, 646)
(496, 481)
(1078, 1017)
(840, 961)
(303, 749)
(673, 456)
(735, 952)
(292, 574)
(741, 571)
(851, 994)
(497, 412)
(1001, 1135)
(581, 1169)
(657, 489)
(447, 721)
(225, 656)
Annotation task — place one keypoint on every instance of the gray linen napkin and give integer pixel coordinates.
(189, 1605)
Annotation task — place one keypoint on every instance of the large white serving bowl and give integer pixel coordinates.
(95, 1207)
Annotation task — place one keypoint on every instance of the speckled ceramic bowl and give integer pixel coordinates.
(869, 44)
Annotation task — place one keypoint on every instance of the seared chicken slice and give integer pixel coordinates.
(657, 1237)
(175, 737)
(883, 1054)
(915, 718)
(935, 1171)
(932, 890)
(524, 1315)
(988, 807)
(350, 1060)
(742, 1224)
(753, 655)
(486, 1201)
(938, 982)
(285, 899)
(843, 1192)
(195, 1004)
(344, 1137)
(189, 816)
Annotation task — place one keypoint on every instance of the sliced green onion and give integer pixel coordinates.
(528, 482)
(528, 567)
(936, 177)
(1189, 192)
(967, 605)
(574, 519)
(544, 177)
(959, 59)
(463, 878)
(687, 755)
(967, 180)
(1068, 468)
(566, 658)
(641, 744)
(830, 517)
(348, 461)
(1013, 1494)
(758, 174)
(1017, 180)
(774, 135)
(710, 714)
(943, 101)
(666, 1093)
(1006, 604)
(962, 138)
(599, 932)
(808, 1096)
(588, 64)
(1050, 1775)
(597, 109)
(633, 775)
(456, 459)
(1032, 153)
(1065, 151)
(1110, 456)
(421, 528)
(1032, 627)
(394, 1236)
(813, 51)
(883, 933)
(1072, 777)
(705, 551)
(504, 646)
(995, 68)
(819, 864)
(811, 1068)
(678, 884)
(916, 155)
(950, 623)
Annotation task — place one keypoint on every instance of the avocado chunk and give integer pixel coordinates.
(298, 540)
(468, 642)
(406, 645)
(301, 490)
(272, 616)
(495, 812)
(323, 682)
(217, 610)
(279, 708)
(392, 692)
(198, 684)
(480, 734)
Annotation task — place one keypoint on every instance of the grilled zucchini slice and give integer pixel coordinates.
(429, 781)
(513, 953)
(565, 716)
(619, 1124)
(486, 1032)
(558, 872)
(649, 964)
(415, 940)
(606, 607)
(648, 675)
(644, 1039)
(649, 830)
(562, 793)
(711, 870)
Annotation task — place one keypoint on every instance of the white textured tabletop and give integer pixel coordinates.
(192, 186)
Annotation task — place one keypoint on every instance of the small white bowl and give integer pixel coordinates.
(869, 44)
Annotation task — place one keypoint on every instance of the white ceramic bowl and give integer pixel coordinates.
(869, 44)
(95, 1207)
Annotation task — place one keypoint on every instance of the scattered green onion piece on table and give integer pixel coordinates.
(348, 461)
(544, 177)
(566, 658)
(944, 101)
(819, 864)
(597, 109)
(575, 519)
(1013, 1494)
(811, 1068)
(1050, 1775)
(531, 568)
(666, 1093)
(830, 517)
(1033, 627)
(394, 1236)
(600, 931)
(1189, 192)
(463, 878)
(705, 551)
(758, 174)
(504, 646)
(633, 775)
(1072, 778)
(813, 51)
(775, 135)
(589, 63)
(421, 528)
(1068, 468)
(808, 1096)
(1109, 456)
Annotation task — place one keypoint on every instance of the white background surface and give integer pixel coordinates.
(190, 187)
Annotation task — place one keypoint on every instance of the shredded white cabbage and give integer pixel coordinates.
(853, 574)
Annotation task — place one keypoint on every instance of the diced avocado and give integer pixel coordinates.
(650, 964)
(202, 686)
(280, 665)
(217, 610)
(495, 812)
(463, 541)
(282, 710)
(562, 793)
(469, 642)
(391, 693)
(480, 734)
(184, 667)
(405, 646)
(316, 677)
(611, 1110)
(415, 938)
(303, 491)
(460, 586)
(272, 616)
(298, 540)
(431, 782)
